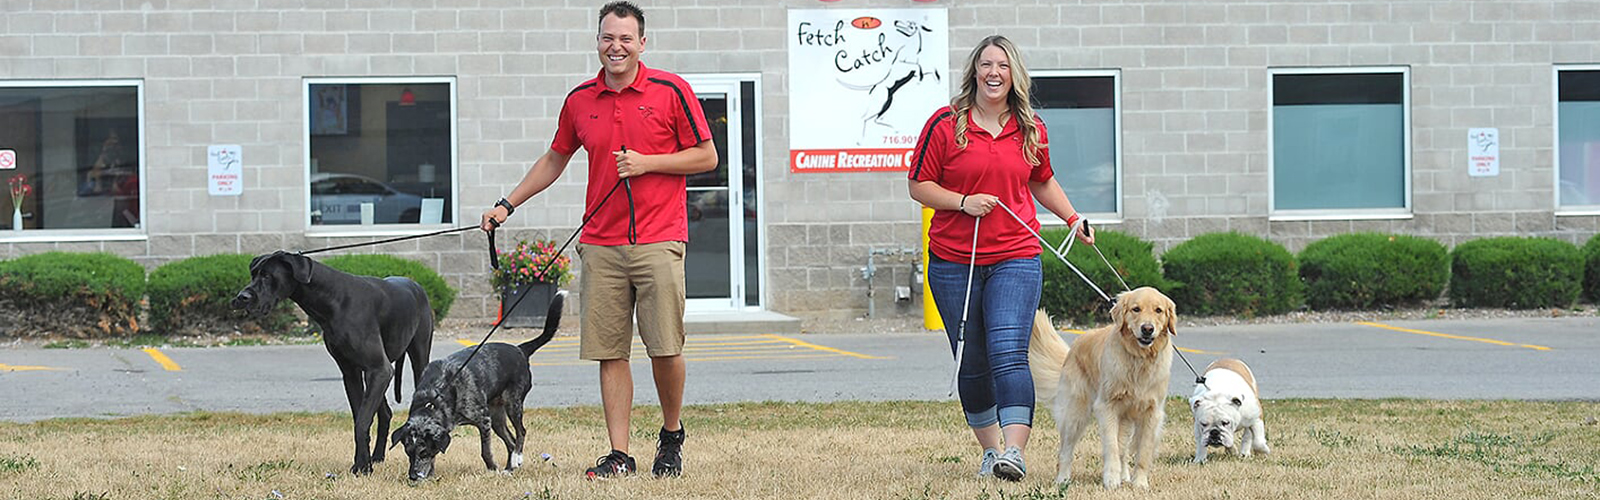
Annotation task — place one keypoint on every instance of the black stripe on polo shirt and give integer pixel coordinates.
(922, 149)
(686, 112)
(581, 87)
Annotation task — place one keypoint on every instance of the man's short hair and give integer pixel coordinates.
(623, 9)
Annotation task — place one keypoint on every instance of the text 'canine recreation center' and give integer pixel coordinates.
(164, 129)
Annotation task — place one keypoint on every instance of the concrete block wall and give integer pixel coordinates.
(1194, 116)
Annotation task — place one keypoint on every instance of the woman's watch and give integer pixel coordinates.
(507, 204)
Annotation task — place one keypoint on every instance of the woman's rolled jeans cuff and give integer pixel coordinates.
(994, 383)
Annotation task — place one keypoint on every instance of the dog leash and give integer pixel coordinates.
(966, 305)
(542, 270)
(1083, 225)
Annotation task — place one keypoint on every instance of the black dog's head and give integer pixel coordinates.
(273, 277)
(425, 434)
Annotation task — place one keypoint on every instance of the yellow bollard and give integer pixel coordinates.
(930, 312)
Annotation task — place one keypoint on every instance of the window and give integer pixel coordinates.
(1578, 139)
(1079, 108)
(76, 148)
(1340, 143)
(382, 152)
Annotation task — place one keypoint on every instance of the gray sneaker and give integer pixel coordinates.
(986, 467)
(1009, 466)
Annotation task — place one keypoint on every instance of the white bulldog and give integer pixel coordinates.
(1228, 404)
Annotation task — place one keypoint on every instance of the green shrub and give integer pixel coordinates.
(191, 297)
(1232, 273)
(1513, 272)
(1065, 294)
(72, 294)
(1369, 270)
(1591, 269)
(440, 295)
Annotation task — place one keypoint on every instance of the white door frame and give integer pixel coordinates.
(728, 85)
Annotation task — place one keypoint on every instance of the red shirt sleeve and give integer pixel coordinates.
(692, 127)
(566, 140)
(1044, 170)
(933, 148)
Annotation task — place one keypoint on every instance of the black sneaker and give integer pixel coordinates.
(669, 454)
(614, 464)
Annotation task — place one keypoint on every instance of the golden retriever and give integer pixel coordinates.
(1118, 374)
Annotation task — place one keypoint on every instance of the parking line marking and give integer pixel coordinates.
(23, 368)
(823, 348)
(1453, 337)
(1184, 349)
(162, 359)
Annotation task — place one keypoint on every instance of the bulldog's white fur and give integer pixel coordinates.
(1226, 407)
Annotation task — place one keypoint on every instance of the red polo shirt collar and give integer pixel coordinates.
(638, 80)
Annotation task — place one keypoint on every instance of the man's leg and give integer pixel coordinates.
(616, 396)
(669, 374)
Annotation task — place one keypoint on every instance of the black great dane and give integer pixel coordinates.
(367, 323)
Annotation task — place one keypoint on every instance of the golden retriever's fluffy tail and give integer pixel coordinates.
(1047, 357)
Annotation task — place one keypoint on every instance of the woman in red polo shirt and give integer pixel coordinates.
(985, 149)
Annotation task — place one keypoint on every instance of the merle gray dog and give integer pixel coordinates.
(367, 323)
(486, 393)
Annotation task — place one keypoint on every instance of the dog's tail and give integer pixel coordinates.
(1047, 357)
(552, 322)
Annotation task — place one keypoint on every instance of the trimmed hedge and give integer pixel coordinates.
(72, 294)
(1591, 269)
(1517, 273)
(1066, 296)
(440, 294)
(1372, 270)
(1232, 273)
(192, 297)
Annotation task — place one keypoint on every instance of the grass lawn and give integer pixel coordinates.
(1323, 449)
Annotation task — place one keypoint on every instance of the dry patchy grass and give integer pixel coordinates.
(897, 450)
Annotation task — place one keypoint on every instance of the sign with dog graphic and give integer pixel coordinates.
(862, 82)
(224, 170)
(1483, 152)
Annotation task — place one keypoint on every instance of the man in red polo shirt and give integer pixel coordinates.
(644, 133)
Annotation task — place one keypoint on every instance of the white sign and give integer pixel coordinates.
(862, 82)
(8, 159)
(1483, 152)
(225, 170)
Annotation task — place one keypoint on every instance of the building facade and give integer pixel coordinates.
(163, 129)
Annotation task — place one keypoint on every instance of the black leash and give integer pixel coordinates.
(603, 200)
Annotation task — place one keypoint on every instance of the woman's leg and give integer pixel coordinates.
(948, 283)
(1010, 299)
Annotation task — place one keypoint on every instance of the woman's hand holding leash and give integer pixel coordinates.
(978, 204)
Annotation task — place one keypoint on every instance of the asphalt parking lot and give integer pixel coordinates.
(1521, 358)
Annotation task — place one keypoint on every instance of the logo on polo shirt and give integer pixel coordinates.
(646, 111)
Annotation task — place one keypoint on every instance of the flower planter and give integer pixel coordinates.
(530, 312)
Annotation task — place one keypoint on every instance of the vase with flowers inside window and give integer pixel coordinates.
(528, 278)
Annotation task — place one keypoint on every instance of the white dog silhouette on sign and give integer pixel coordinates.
(904, 68)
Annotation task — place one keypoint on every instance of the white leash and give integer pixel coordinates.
(966, 305)
(1062, 254)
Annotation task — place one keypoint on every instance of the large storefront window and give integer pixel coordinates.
(382, 151)
(1578, 138)
(1339, 142)
(71, 153)
(1079, 108)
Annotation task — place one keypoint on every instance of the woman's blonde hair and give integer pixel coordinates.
(1019, 100)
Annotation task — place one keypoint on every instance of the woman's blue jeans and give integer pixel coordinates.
(994, 381)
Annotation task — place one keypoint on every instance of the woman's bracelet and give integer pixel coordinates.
(1072, 220)
(963, 204)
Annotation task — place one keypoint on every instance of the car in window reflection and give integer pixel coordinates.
(337, 198)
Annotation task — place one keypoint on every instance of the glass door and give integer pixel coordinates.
(721, 263)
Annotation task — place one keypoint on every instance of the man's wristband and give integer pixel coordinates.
(507, 204)
(963, 204)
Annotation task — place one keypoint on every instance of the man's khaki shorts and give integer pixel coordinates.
(615, 279)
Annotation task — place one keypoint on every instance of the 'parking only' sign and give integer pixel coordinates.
(225, 170)
(8, 159)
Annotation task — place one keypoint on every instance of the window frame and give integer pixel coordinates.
(1045, 217)
(1555, 142)
(1400, 213)
(140, 233)
(335, 231)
